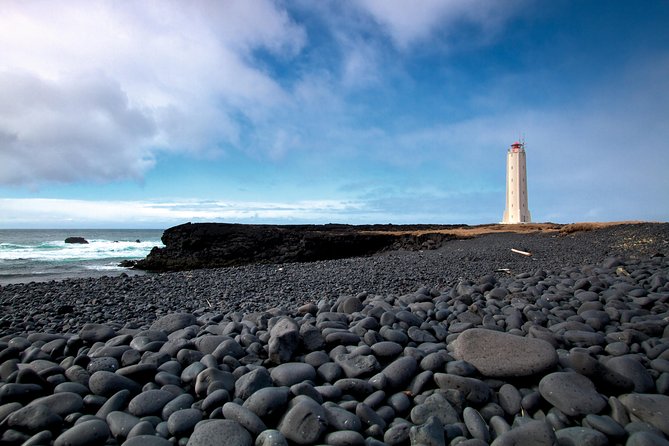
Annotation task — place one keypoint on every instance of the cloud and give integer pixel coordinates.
(110, 86)
(36, 212)
(409, 23)
(69, 130)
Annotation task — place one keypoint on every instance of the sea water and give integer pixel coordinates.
(41, 255)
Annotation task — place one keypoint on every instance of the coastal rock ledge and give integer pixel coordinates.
(214, 245)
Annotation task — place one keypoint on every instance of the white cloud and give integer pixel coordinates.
(92, 89)
(35, 212)
(410, 22)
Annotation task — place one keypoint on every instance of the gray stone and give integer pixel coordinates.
(251, 382)
(476, 424)
(87, 433)
(211, 375)
(431, 433)
(147, 440)
(268, 401)
(434, 405)
(354, 386)
(509, 398)
(39, 439)
(304, 422)
(651, 408)
(121, 423)
(475, 391)
(107, 383)
(400, 371)
(631, 368)
(105, 363)
(182, 422)
(92, 333)
(646, 438)
(290, 373)
(173, 322)
(271, 437)
(248, 419)
(284, 340)
(369, 417)
(386, 349)
(118, 401)
(142, 428)
(498, 354)
(345, 438)
(535, 433)
(150, 402)
(605, 424)
(580, 436)
(34, 418)
(216, 432)
(350, 305)
(341, 419)
(63, 403)
(398, 434)
(355, 365)
(572, 393)
(180, 402)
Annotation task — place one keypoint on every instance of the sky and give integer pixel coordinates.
(149, 114)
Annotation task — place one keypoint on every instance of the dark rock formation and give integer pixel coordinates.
(79, 240)
(212, 245)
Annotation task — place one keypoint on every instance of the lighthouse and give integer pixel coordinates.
(516, 210)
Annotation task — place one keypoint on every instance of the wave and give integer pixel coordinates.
(59, 251)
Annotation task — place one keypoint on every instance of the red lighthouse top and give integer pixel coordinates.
(517, 147)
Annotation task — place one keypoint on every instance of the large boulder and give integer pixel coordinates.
(79, 240)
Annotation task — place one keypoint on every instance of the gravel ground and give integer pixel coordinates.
(138, 300)
(471, 345)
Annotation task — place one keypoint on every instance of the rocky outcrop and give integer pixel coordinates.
(79, 240)
(212, 245)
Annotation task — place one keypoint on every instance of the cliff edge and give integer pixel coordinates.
(213, 245)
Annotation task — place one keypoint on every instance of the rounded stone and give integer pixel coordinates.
(631, 368)
(345, 438)
(572, 393)
(304, 422)
(173, 322)
(400, 371)
(121, 423)
(34, 418)
(244, 416)
(268, 401)
(147, 440)
(87, 433)
(93, 333)
(150, 402)
(183, 421)
(107, 383)
(271, 437)
(650, 408)
(290, 373)
(216, 432)
(581, 436)
(63, 403)
(387, 349)
(496, 354)
(536, 433)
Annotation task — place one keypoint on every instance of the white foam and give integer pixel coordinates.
(61, 251)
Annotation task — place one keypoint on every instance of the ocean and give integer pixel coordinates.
(39, 255)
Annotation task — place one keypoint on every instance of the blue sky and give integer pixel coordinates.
(151, 114)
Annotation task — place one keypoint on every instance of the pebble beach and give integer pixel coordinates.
(468, 344)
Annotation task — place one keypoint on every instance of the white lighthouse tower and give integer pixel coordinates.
(516, 210)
